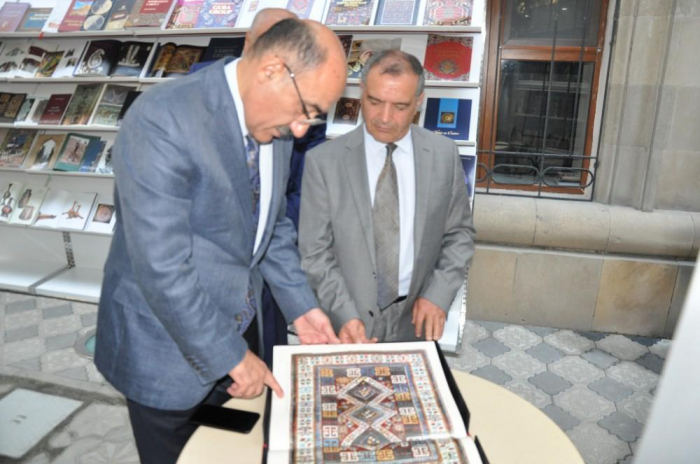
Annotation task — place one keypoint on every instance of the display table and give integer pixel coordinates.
(509, 428)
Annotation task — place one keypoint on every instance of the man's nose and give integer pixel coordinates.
(387, 113)
(298, 129)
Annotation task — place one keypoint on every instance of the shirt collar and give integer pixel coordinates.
(374, 146)
(232, 78)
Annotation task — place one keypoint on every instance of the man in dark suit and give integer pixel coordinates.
(201, 166)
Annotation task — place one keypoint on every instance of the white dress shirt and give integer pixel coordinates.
(375, 153)
(265, 154)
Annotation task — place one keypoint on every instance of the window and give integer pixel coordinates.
(540, 90)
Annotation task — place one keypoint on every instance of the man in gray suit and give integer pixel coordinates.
(385, 230)
(201, 167)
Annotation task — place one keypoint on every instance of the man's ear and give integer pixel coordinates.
(270, 68)
(419, 100)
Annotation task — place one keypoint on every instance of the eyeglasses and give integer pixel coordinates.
(320, 119)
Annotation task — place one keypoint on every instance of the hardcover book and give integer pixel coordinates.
(185, 14)
(448, 58)
(387, 402)
(397, 12)
(301, 8)
(69, 61)
(76, 210)
(37, 110)
(182, 60)
(218, 13)
(449, 117)
(25, 109)
(98, 59)
(74, 18)
(59, 10)
(104, 165)
(347, 110)
(346, 41)
(103, 216)
(349, 13)
(130, 97)
(82, 104)
(15, 147)
(28, 205)
(148, 13)
(448, 12)
(55, 107)
(97, 18)
(12, 56)
(91, 157)
(49, 64)
(71, 155)
(110, 105)
(10, 104)
(34, 20)
(220, 47)
(132, 58)
(8, 201)
(51, 209)
(119, 15)
(361, 50)
(44, 152)
(11, 15)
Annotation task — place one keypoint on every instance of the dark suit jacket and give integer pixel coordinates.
(182, 253)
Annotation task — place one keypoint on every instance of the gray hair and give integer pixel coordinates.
(395, 63)
(294, 41)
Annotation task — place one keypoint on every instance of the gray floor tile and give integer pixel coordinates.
(529, 393)
(569, 342)
(622, 426)
(610, 389)
(492, 326)
(563, 419)
(21, 333)
(661, 348)
(19, 306)
(576, 370)
(633, 375)
(541, 331)
(627, 460)
(651, 362)
(637, 406)
(545, 353)
(89, 320)
(491, 347)
(518, 364)
(550, 383)
(646, 341)
(622, 347)
(596, 445)
(59, 342)
(600, 358)
(592, 336)
(493, 374)
(517, 337)
(78, 373)
(584, 403)
(29, 364)
(58, 311)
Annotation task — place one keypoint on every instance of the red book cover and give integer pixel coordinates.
(77, 12)
(11, 15)
(148, 13)
(53, 113)
(448, 58)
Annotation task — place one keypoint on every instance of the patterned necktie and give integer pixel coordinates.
(385, 217)
(245, 317)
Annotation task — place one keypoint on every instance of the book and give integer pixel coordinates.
(9, 198)
(54, 109)
(397, 12)
(76, 210)
(25, 109)
(349, 12)
(175, 60)
(448, 12)
(149, 13)
(386, 402)
(448, 58)
(220, 47)
(82, 104)
(11, 58)
(69, 61)
(130, 97)
(132, 58)
(32, 60)
(362, 49)
(92, 156)
(218, 13)
(75, 16)
(37, 110)
(302, 8)
(48, 64)
(59, 10)
(34, 20)
(110, 105)
(28, 205)
(15, 147)
(185, 14)
(103, 216)
(346, 42)
(347, 111)
(71, 155)
(99, 58)
(469, 163)
(119, 15)
(11, 15)
(44, 151)
(10, 104)
(51, 208)
(97, 17)
(104, 164)
(450, 117)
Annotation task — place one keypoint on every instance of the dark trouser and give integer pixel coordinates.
(161, 434)
(386, 324)
(274, 325)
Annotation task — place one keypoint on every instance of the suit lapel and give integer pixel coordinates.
(424, 167)
(356, 168)
(277, 173)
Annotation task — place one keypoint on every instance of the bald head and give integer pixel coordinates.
(263, 21)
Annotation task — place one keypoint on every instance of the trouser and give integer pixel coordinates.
(386, 324)
(162, 434)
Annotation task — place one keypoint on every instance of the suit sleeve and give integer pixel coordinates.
(457, 245)
(153, 174)
(316, 245)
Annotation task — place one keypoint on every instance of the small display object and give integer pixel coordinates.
(361, 50)
(98, 15)
(60, 8)
(28, 205)
(469, 162)
(75, 16)
(397, 12)
(110, 105)
(69, 60)
(10, 106)
(103, 216)
(132, 58)
(55, 108)
(349, 12)
(12, 56)
(34, 20)
(149, 13)
(76, 210)
(119, 15)
(448, 12)
(389, 402)
(99, 58)
(82, 104)
(49, 64)
(448, 58)
(51, 209)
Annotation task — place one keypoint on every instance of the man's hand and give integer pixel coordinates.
(314, 328)
(250, 377)
(433, 316)
(354, 332)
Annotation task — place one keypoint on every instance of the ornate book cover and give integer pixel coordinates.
(49, 64)
(37, 110)
(69, 61)
(110, 106)
(448, 12)
(361, 50)
(450, 117)
(182, 60)
(220, 47)
(148, 13)
(10, 104)
(99, 58)
(163, 56)
(11, 15)
(448, 58)
(82, 104)
(218, 13)
(119, 15)
(28, 205)
(366, 403)
(74, 18)
(347, 110)
(25, 109)
(91, 157)
(397, 12)
(132, 58)
(301, 8)
(44, 151)
(32, 60)
(9, 197)
(15, 147)
(349, 12)
(97, 18)
(34, 19)
(73, 151)
(185, 14)
(346, 41)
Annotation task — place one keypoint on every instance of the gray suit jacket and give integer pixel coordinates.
(182, 253)
(337, 241)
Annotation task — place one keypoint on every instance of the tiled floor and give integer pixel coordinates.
(597, 387)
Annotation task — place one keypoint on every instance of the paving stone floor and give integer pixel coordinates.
(597, 387)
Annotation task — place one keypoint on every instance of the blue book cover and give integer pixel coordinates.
(92, 153)
(218, 13)
(449, 117)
